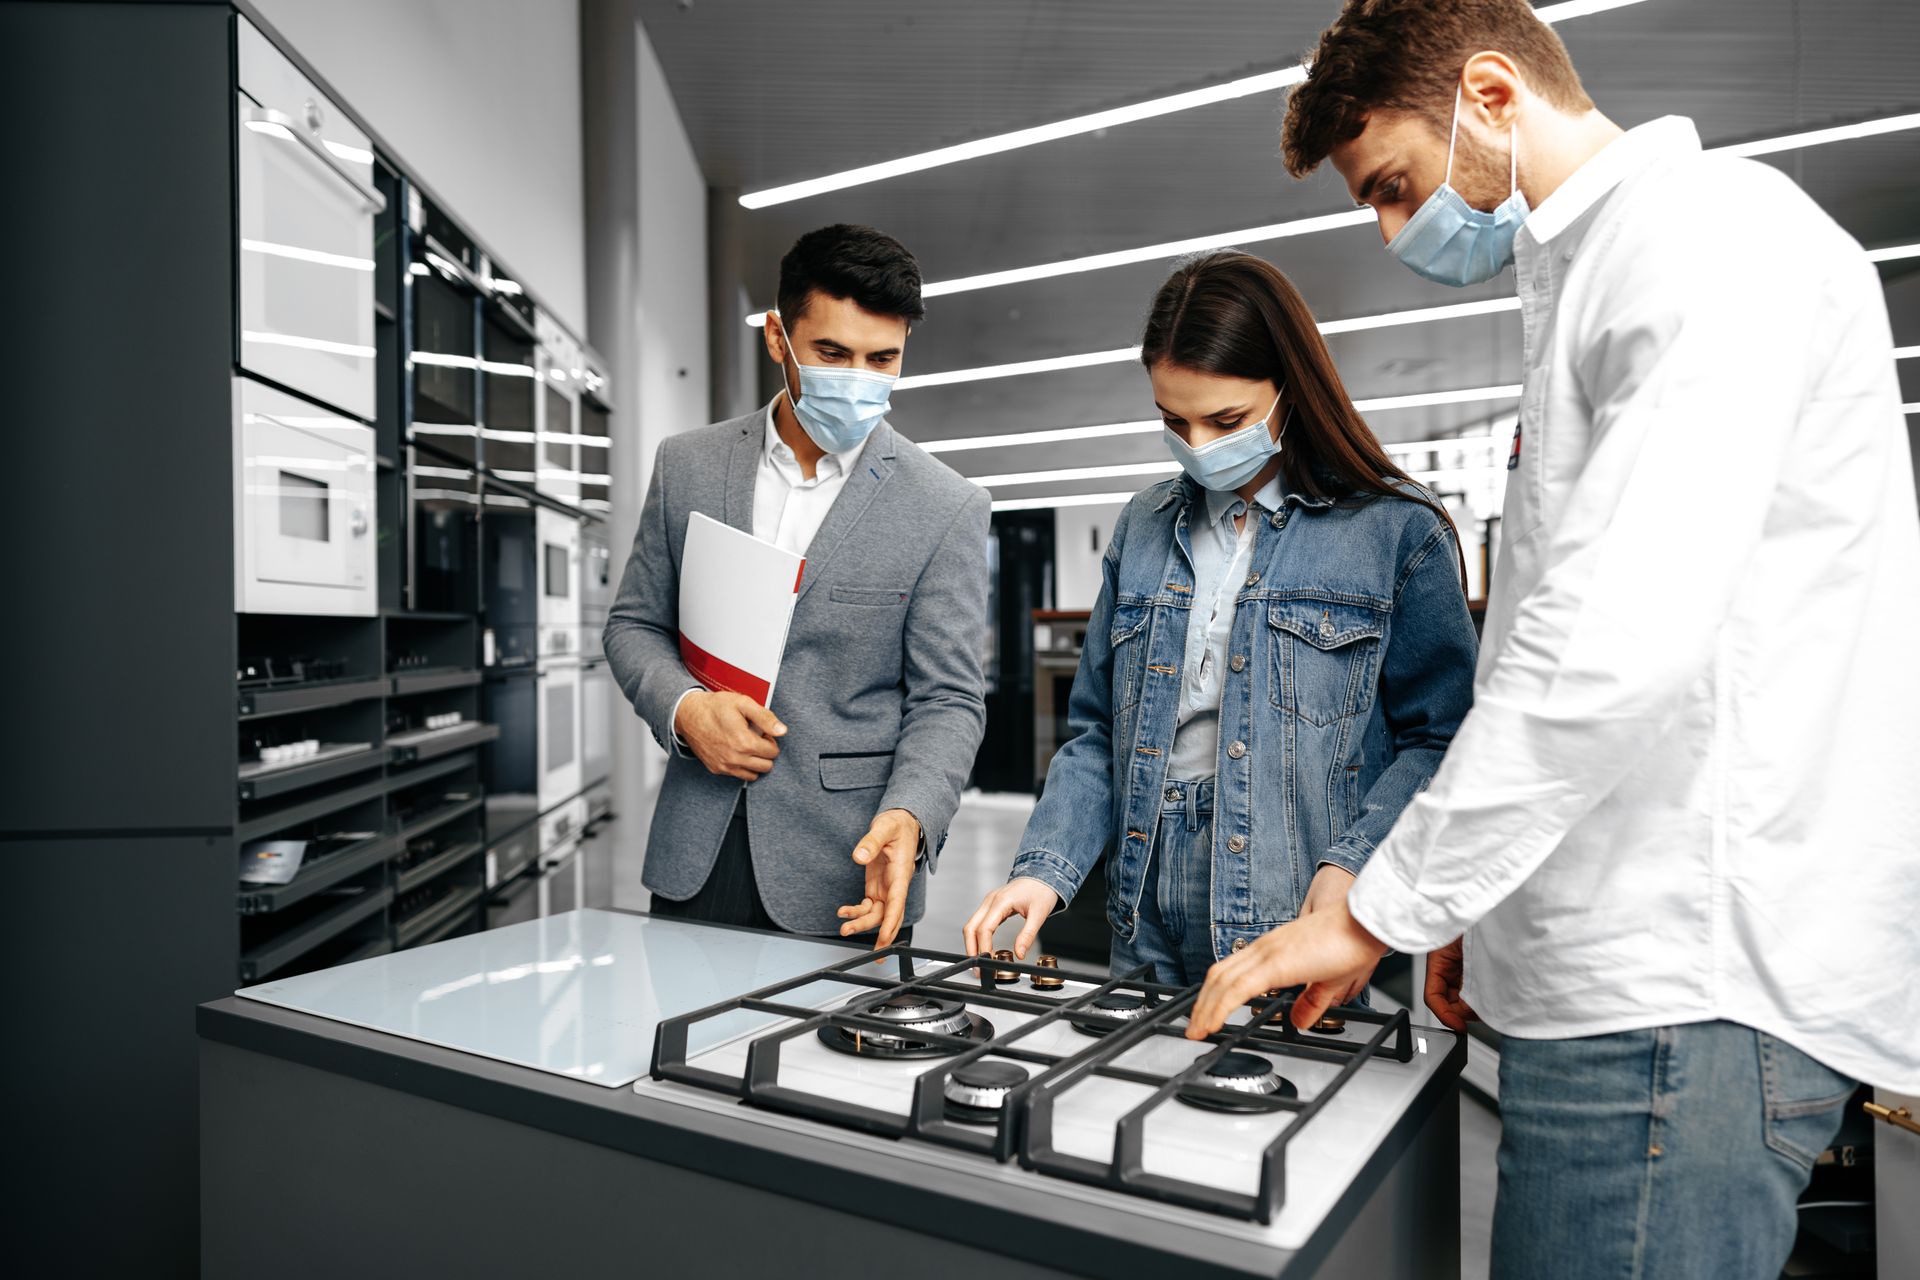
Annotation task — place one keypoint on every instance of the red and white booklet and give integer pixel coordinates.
(737, 594)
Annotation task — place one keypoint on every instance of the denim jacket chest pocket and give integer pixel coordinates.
(1325, 657)
(1128, 643)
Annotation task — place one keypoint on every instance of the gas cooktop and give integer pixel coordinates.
(1081, 1078)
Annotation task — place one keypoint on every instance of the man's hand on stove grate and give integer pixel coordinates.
(1328, 950)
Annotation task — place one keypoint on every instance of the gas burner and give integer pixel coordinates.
(976, 1090)
(912, 1012)
(1329, 1026)
(1233, 1083)
(1003, 975)
(1114, 1005)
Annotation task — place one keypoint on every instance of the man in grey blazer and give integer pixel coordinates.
(878, 709)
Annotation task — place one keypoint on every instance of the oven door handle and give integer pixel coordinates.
(375, 202)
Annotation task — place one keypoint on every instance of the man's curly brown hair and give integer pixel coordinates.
(1406, 55)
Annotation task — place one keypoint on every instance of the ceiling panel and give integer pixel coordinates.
(772, 91)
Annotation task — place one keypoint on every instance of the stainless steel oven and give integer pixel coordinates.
(307, 207)
(303, 506)
(561, 375)
(559, 875)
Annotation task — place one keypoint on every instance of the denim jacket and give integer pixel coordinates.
(1350, 667)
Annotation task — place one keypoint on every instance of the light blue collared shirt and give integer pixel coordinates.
(1220, 556)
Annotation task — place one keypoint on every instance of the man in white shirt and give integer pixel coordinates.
(879, 707)
(1680, 829)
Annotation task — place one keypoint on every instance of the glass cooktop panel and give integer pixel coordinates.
(577, 994)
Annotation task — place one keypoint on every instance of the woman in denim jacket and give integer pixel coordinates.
(1279, 656)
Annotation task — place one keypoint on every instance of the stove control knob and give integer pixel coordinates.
(1047, 981)
(1004, 975)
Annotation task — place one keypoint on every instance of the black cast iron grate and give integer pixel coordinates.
(1024, 1125)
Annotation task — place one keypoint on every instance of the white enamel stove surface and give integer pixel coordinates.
(1212, 1148)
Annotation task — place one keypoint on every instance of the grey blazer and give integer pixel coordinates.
(880, 687)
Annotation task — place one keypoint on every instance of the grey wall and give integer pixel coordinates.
(481, 99)
(647, 304)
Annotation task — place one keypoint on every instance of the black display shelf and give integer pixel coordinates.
(270, 957)
(294, 777)
(433, 868)
(438, 818)
(382, 310)
(267, 824)
(452, 926)
(260, 899)
(423, 773)
(376, 947)
(431, 744)
(258, 704)
(426, 615)
(408, 683)
(416, 928)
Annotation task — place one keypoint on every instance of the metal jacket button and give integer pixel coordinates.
(1278, 519)
(1326, 628)
(1253, 579)
(1239, 662)
(1172, 793)
(1237, 750)
(1236, 844)
(1239, 944)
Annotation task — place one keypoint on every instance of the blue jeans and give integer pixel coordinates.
(1175, 931)
(1669, 1152)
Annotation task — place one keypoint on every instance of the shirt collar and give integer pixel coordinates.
(1606, 169)
(1270, 496)
(775, 450)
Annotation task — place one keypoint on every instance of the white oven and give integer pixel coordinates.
(559, 748)
(303, 506)
(307, 206)
(557, 552)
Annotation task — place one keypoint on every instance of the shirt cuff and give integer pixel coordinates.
(1394, 912)
(675, 743)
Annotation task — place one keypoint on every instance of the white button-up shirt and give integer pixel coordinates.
(1688, 788)
(1220, 560)
(788, 508)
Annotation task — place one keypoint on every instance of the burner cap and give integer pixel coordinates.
(976, 1091)
(1115, 1005)
(1329, 1026)
(1240, 1066)
(1236, 1082)
(911, 1012)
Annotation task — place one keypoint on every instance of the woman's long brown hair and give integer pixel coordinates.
(1232, 314)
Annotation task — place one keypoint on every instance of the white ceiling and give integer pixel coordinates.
(772, 91)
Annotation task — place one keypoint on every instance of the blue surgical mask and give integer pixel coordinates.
(839, 408)
(1232, 460)
(1448, 240)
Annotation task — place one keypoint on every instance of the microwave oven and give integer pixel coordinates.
(303, 506)
(558, 563)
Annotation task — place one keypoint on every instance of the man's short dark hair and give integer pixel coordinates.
(1406, 55)
(866, 267)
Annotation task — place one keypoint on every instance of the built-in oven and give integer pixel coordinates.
(509, 376)
(561, 375)
(559, 876)
(307, 205)
(559, 732)
(600, 697)
(559, 562)
(303, 506)
(596, 587)
(595, 445)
